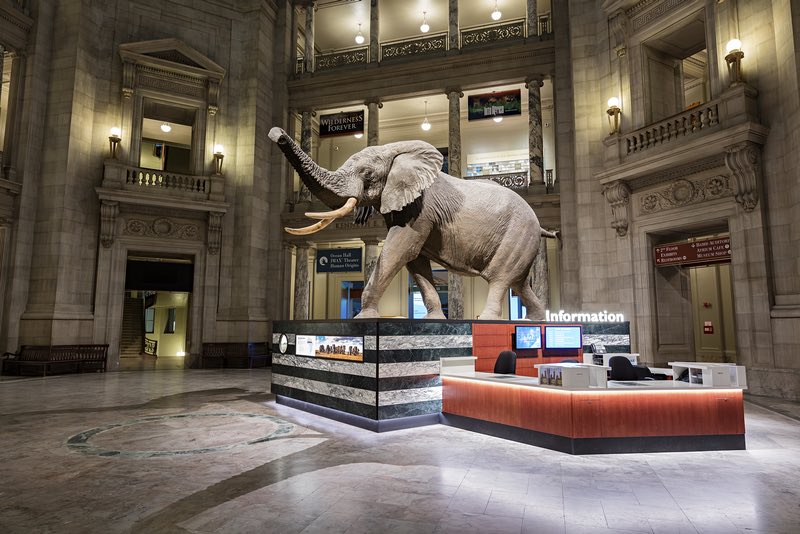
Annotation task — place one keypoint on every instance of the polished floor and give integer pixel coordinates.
(209, 451)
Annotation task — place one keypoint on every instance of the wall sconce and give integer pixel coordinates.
(359, 36)
(113, 140)
(614, 112)
(733, 57)
(219, 155)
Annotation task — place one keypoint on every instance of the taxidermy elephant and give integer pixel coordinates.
(471, 227)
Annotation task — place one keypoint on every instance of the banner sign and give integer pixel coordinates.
(489, 105)
(344, 123)
(339, 260)
(702, 252)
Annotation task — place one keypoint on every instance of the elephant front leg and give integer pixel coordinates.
(420, 267)
(402, 245)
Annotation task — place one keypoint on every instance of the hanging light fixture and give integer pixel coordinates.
(359, 35)
(166, 128)
(496, 14)
(424, 28)
(425, 124)
(497, 118)
(358, 135)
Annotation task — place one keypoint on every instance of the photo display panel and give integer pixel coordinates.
(528, 337)
(350, 348)
(563, 337)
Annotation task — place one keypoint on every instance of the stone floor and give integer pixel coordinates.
(209, 451)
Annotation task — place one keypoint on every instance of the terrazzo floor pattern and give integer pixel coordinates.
(210, 451)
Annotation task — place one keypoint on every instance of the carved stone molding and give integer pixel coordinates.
(108, 222)
(618, 195)
(684, 192)
(618, 29)
(649, 11)
(214, 232)
(162, 227)
(744, 162)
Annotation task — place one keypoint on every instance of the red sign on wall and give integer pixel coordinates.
(703, 252)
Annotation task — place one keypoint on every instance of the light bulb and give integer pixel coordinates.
(497, 118)
(424, 28)
(166, 128)
(358, 135)
(496, 14)
(359, 36)
(115, 132)
(733, 45)
(613, 102)
(425, 124)
(219, 149)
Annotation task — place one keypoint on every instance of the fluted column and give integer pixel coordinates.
(533, 19)
(541, 281)
(309, 50)
(455, 287)
(286, 286)
(374, 31)
(295, 36)
(371, 253)
(373, 118)
(452, 18)
(302, 281)
(535, 140)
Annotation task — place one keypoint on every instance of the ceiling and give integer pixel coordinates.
(683, 40)
(179, 135)
(336, 22)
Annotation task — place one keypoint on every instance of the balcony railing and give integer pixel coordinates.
(159, 182)
(483, 35)
(512, 180)
(353, 56)
(150, 346)
(687, 123)
(414, 47)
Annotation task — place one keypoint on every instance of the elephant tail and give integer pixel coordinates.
(551, 235)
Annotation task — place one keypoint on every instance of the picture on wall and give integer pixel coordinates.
(350, 348)
(497, 103)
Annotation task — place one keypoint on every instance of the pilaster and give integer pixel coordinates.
(373, 121)
(535, 139)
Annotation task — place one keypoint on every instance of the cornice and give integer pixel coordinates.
(14, 27)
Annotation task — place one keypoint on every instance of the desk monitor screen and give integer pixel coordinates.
(528, 337)
(562, 337)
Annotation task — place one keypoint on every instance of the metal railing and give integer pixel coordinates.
(512, 180)
(150, 346)
(156, 181)
(353, 56)
(683, 124)
(414, 47)
(493, 33)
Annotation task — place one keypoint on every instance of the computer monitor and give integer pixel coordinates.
(563, 337)
(528, 337)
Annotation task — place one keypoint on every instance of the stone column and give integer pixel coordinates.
(535, 140)
(541, 282)
(453, 24)
(373, 117)
(295, 35)
(306, 134)
(2, 58)
(309, 50)
(374, 32)
(302, 281)
(533, 19)
(286, 286)
(371, 253)
(455, 287)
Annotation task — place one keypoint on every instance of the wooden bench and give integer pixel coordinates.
(53, 359)
(235, 355)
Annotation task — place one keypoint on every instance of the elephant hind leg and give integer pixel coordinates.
(420, 267)
(498, 290)
(535, 310)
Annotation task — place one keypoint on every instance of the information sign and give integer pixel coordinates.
(702, 252)
(339, 260)
(344, 123)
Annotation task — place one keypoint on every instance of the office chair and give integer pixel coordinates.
(623, 369)
(506, 363)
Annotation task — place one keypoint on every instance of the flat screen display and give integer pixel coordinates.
(562, 337)
(331, 347)
(528, 337)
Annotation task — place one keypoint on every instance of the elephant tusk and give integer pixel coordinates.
(348, 207)
(306, 230)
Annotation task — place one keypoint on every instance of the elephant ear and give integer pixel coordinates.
(413, 170)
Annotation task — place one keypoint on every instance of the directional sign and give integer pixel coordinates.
(339, 260)
(701, 252)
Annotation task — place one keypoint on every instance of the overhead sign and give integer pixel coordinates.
(344, 123)
(339, 260)
(490, 105)
(702, 252)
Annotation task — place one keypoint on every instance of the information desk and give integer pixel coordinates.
(636, 416)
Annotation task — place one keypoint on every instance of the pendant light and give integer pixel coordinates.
(496, 14)
(497, 118)
(425, 124)
(424, 28)
(359, 35)
(166, 128)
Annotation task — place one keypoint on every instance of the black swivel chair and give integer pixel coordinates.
(623, 369)
(506, 363)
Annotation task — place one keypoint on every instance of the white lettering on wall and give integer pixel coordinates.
(583, 317)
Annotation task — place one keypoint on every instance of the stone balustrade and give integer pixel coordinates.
(159, 182)
(689, 122)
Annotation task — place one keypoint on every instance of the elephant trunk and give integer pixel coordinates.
(332, 188)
